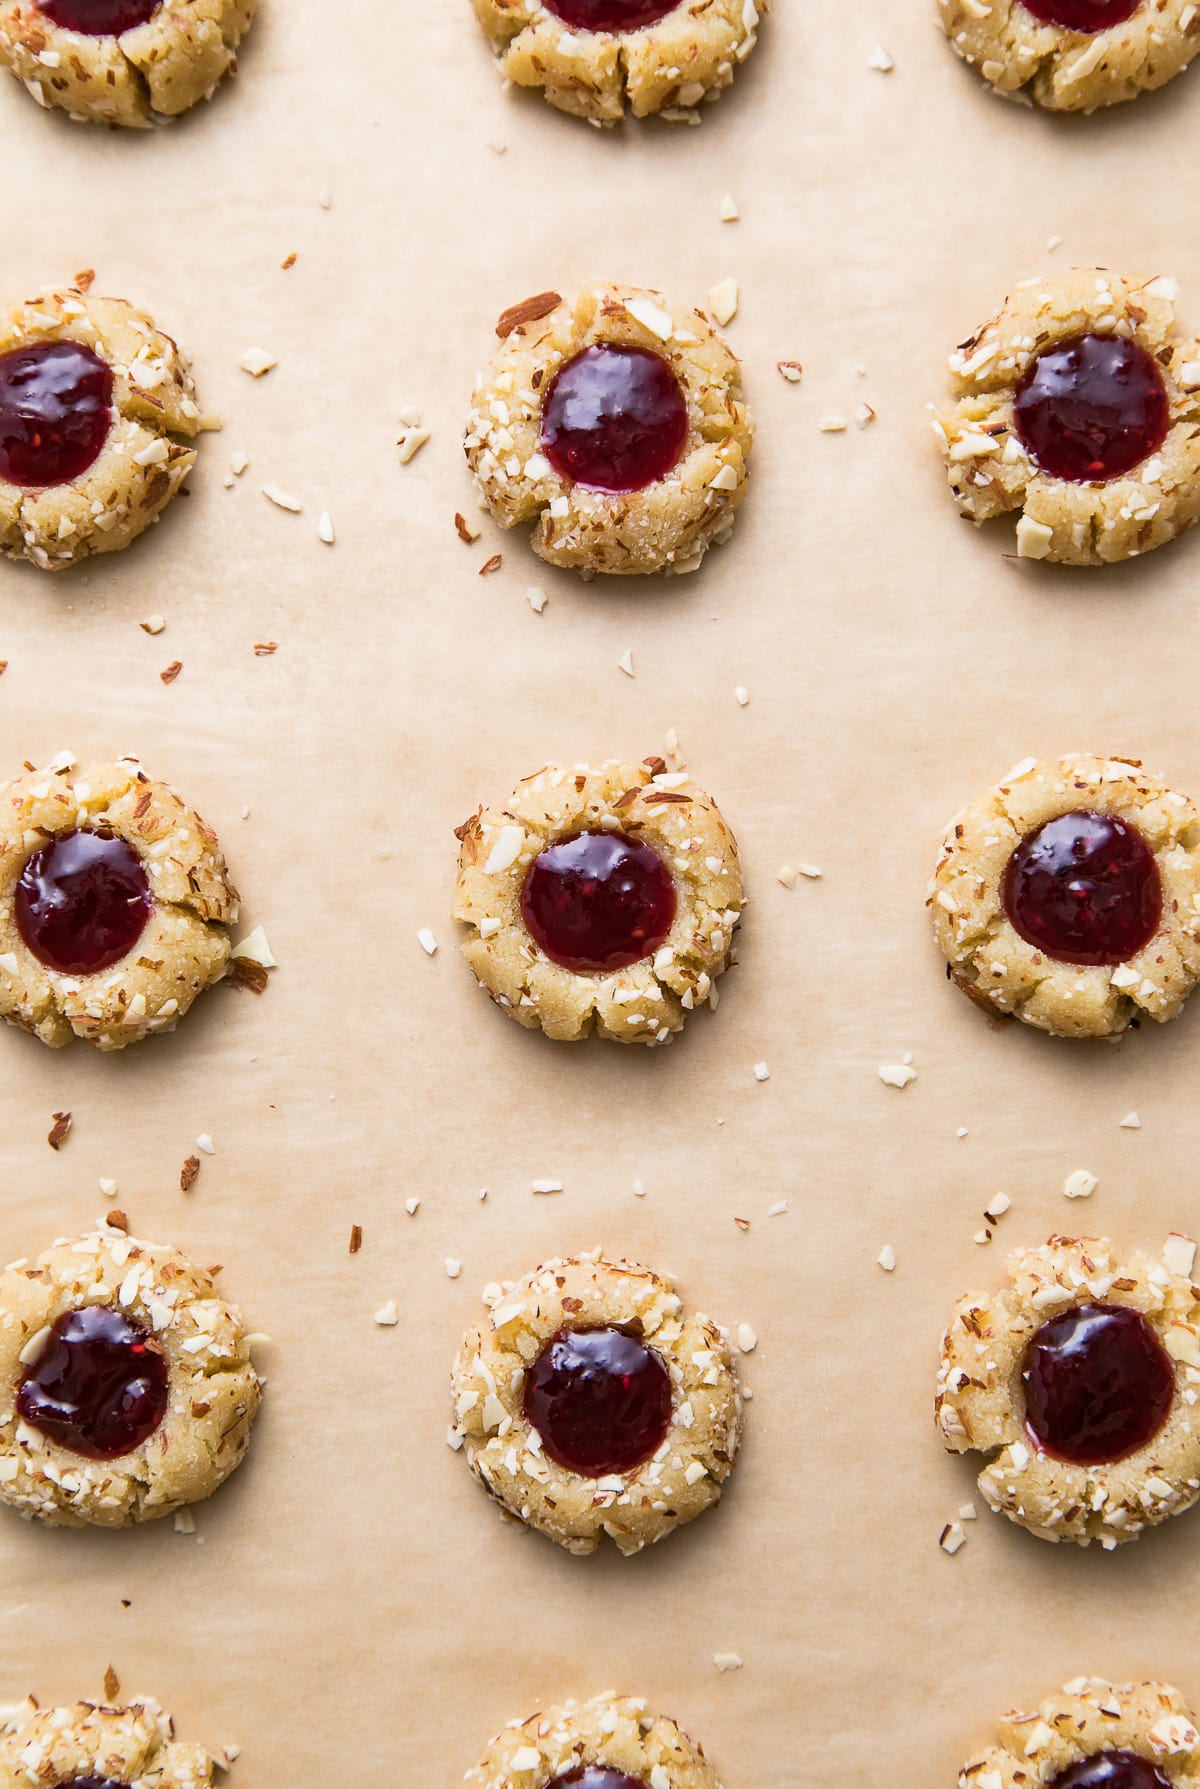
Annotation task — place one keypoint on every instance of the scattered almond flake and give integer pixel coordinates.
(1080, 1184)
(108, 1188)
(962, 1131)
(741, 696)
(153, 454)
(238, 464)
(325, 530)
(491, 565)
(832, 425)
(325, 201)
(525, 1758)
(205, 1144)
(427, 941)
(997, 1205)
(723, 302)
(282, 499)
(410, 444)
(727, 1661)
(968, 1513)
(791, 370)
(639, 1191)
(185, 1523)
(1053, 242)
(761, 1072)
(653, 317)
(289, 261)
(810, 871)
(528, 311)
(743, 1224)
(864, 416)
(981, 1236)
(537, 599)
(787, 875)
(952, 1538)
(386, 1315)
(897, 1074)
(777, 1210)
(887, 1258)
(255, 949)
(625, 662)
(1130, 1122)
(112, 1685)
(1179, 1254)
(497, 148)
(545, 1186)
(172, 671)
(153, 624)
(453, 1268)
(188, 1173)
(1034, 539)
(59, 1130)
(467, 531)
(257, 361)
(728, 211)
(747, 1341)
(355, 1238)
(266, 648)
(880, 60)
(410, 418)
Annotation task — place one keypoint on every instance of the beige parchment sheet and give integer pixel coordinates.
(351, 1608)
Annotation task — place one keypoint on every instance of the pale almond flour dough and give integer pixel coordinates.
(1005, 974)
(679, 1482)
(613, 1731)
(981, 1405)
(150, 73)
(988, 468)
(213, 1389)
(140, 467)
(690, 55)
(42, 1748)
(669, 525)
(1072, 71)
(183, 948)
(648, 1002)
(1087, 1716)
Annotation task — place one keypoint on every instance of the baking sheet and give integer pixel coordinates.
(351, 1606)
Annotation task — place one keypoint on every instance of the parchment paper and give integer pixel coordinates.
(352, 1609)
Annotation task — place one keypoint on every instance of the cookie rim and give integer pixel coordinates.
(1150, 1717)
(130, 1737)
(1050, 61)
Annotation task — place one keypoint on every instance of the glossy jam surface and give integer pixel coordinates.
(1084, 888)
(610, 15)
(95, 1783)
(1091, 408)
(1098, 1384)
(82, 902)
(98, 1386)
(597, 901)
(599, 1399)
(596, 1776)
(1112, 1770)
(614, 419)
(99, 18)
(1082, 15)
(55, 411)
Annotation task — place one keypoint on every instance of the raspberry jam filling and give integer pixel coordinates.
(1098, 1384)
(614, 419)
(55, 412)
(1084, 888)
(95, 1783)
(98, 1386)
(610, 15)
(1112, 1770)
(596, 1776)
(99, 18)
(600, 1400)
(1082, 15)
(598, 901)
(1091, 408)
(82, 902)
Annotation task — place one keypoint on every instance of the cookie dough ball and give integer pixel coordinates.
(1079, 1382)
(600, 899)
(130, 62)
(612, 1740)
(91, 395)
(1069, 896)
(616, 426)
(1094, 1735)
(1073, 55)
(1076, 409)
(126, 1388)
(589, 1402)
(590, 57)
(51, 1748)
(113, 901)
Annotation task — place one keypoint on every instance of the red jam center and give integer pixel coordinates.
(600, 1400)
(1082, 15)
(98, 1387)
(596, 1776)
(82, 902)
(614, 419)
(598, 901)
(1084, 888)
(99, 18)
(610, 15)
(1091, 408)
(1112, 1770)
(55, 411)
(1098, 1384)
(95, 1783)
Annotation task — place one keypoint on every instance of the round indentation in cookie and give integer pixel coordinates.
(55, 412)
(1112, 1770)
(603, 1776)
(1082, 15)
(99, 18)
(98, 1386)
(1091, 408)
(82, 902)
(614, 419)
(610, 15)
(1098, 1384)
(600, 1400)
(598, 901)
(1084, 888)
